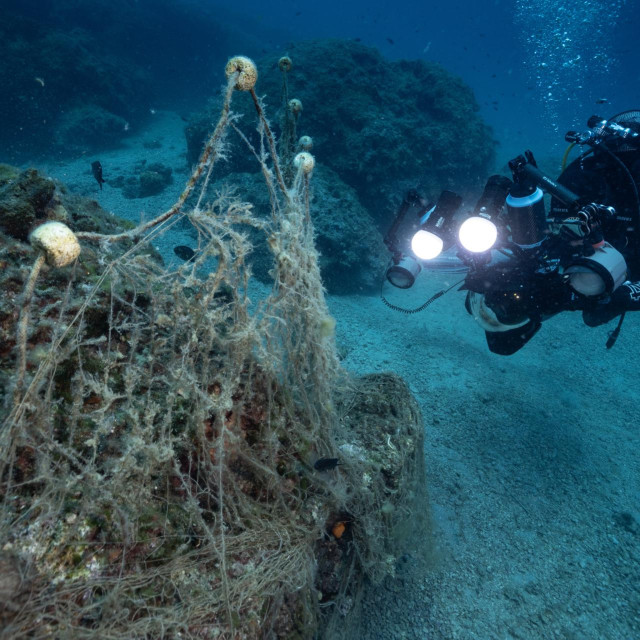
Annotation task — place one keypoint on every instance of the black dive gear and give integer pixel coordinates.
(625, 298)
(404, 268)
(583, 256)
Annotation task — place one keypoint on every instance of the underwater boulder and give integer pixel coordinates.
(352, 254)
(175, 451)
(149, 180)
(388, 125)
(59, 75)
(24, 200)
(89, 127)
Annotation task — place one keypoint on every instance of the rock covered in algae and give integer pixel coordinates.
(104, 564)
(352, 254)
(388, 125)
(15, 583)
(380, 442)
(27, 200)
(383, 426)
(24, 200)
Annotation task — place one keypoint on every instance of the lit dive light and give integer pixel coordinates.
(602, 272)
(403, 274)
(436, 227)
(426, 245)
(477, 234)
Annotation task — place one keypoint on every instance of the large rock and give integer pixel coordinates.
(27, 199)
(24, 199)
(89, 127)
(380, 440)
(352, 254)
(64, 55)
(382, 126)
(62, 91)
(129, 447)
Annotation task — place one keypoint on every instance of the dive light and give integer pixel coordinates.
(436, 233)
(479, 232)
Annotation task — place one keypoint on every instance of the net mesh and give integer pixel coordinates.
(156, 447)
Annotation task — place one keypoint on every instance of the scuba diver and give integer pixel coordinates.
(524, 265)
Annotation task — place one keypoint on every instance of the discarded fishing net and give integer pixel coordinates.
(178, 460)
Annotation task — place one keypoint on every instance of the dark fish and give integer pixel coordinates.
(185, 253)
(96, 169)
(601, 101)
(326, 464)
(390, 41)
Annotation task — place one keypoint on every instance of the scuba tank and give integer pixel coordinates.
(608, 173)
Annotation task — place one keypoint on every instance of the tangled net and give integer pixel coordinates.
(156, 475)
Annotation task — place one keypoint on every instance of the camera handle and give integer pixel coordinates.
(585, 225)
(524, 169)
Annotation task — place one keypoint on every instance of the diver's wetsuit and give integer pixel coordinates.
(625, 298)
(601, 178)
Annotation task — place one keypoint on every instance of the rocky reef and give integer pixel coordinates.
(148, 179)
(352, 255)
(65, 82)
(29, 198)
(81, 76)
(382, 126)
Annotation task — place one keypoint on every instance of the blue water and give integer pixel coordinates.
(531, 460)
(512, 53)
(537, 68)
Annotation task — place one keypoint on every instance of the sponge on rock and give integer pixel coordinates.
(246, 70)
(58, 243)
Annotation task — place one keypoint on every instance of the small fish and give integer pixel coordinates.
(40, 81)
(390, 41)
(184, 253)
(326, 464)
(602, 101)
(96, 169)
